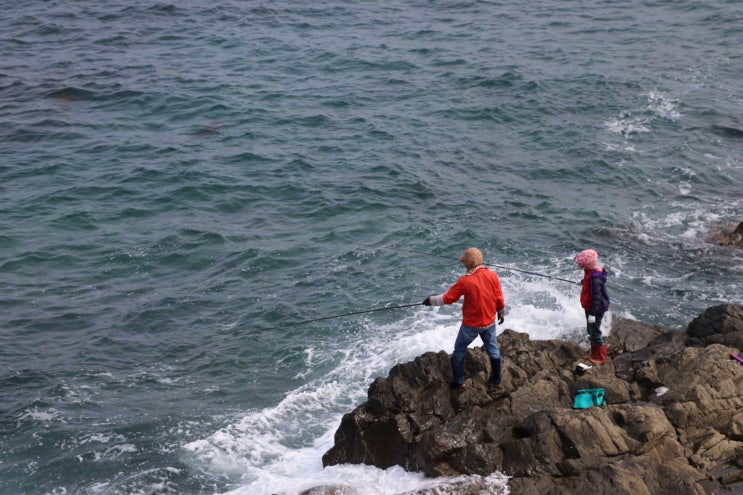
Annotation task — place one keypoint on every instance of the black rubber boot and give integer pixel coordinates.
(495, 371)
(457, 368)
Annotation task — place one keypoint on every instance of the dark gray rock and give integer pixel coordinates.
(330, 490)
(729, 237)
(628, 336)
(466, 485)
(674, 414)
(722, 324)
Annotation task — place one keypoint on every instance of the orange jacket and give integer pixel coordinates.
(483, 297)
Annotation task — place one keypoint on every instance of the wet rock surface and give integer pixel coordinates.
(673, 422)
(728, 237)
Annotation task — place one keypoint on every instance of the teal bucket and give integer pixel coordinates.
(589, 397)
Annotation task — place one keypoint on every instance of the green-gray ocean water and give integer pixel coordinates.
(178, 181)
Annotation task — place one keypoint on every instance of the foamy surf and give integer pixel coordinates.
(278, 450)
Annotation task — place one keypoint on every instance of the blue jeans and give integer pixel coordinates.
(594, 330)
(464, 338)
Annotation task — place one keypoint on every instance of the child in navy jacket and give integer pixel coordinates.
(595, 301)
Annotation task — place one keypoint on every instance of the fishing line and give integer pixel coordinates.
(389, 308)
(487, 264)
(344, 314)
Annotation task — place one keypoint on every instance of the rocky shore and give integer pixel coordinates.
(672, 423)
(728, 237)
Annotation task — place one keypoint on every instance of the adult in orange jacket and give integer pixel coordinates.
(483, 301)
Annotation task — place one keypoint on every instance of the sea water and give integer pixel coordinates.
(183, 184)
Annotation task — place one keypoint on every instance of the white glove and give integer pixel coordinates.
(591, 319)
(437, 300)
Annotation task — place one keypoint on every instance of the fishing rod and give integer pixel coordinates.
(345, 314)
(388, 308)
(487, 264)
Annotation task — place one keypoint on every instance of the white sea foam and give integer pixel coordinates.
(279, 449)
(660, 104)
(628, 124)
(691, 225)
(45, 416)
(640, 121)
(102, 438)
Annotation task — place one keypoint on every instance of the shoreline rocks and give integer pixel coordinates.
(728, 237)
(673, 422)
